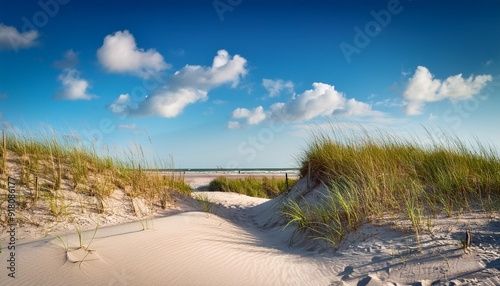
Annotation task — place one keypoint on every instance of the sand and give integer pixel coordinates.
(241, 242)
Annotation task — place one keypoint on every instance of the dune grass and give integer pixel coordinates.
(205, 203)
(368, 177)
(265, 187)
(51, 166)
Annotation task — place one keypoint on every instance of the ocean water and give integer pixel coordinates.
(294, 171)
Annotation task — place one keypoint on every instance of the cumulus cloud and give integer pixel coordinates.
(73, 87)
(321, 100)
(233, 125)
(189, 85)
(69, 61)
(120, 54)
(422, 88)
(224, 69)
(169, 103)
(358, 108)
(121, 104)
(275, 87)
(252, 117)
(12, 39)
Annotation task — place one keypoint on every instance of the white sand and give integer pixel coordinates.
(243, 244)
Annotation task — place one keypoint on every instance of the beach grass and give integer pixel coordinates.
(205, 203)
(52, 166)
(369, 177)
(265, 187)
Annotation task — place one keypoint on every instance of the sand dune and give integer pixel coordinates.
(242, 243)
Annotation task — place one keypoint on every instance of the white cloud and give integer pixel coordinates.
(233, 125)
(358, 108)
(189, 85)
(121, 104)
(73, 87)
(322, 100)
(70, 60)
(168, 103)
(223, 70)
(12, 39)
(119, 53)
(275, 87)
(390, 102)
(488, 62)
(252, 117)
(423, 88)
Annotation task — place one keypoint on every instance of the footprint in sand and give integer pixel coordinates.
(346, 274)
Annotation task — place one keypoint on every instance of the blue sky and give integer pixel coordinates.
(240, 83)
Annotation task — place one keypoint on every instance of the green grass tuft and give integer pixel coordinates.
(53, 165)
(265, 187)
(368, 177)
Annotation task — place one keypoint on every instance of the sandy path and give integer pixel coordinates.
(190, 248)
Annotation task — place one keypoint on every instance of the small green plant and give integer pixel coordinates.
(297, 216)
(429, 224)
(147, 223)
(79, 233)
(65, 245)
(3, 167)
(87, 247)
(81, 243)
(205, 202)
(57, 203)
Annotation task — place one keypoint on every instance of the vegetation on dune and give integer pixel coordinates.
(265, 187)
(371, 177)
(49, 167)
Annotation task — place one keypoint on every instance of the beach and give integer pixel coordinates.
(241, 242)
(250, 143)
